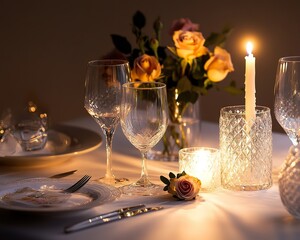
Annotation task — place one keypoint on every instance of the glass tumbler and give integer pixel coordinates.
(203, 163)
(31, 128)
(246, 151)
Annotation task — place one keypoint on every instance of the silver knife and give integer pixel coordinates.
(94, 220)
(111, 216)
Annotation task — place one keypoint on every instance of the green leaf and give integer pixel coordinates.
(232, 89)
(217, 39)
(199, 90)
(121, 43)
(172, 50)
(197, 74)
(208, 84)
(187, 96)
(172, 175)
(164, 180)
(157, 26)
(181, 174)
(139, 20)
(184, 84)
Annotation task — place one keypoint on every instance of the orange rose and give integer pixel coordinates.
(189, 45)
(219, 65)
(146, 69)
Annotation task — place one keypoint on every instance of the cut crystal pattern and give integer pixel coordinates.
(246, 154)
(289, 182)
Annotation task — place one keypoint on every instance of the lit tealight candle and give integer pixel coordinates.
(203, 163)
(250, 86)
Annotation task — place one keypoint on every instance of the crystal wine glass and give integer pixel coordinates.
(103, 83)
(287, 97)
(144, 119)
(287, 113)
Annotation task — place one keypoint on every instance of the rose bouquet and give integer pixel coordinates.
(189, 68)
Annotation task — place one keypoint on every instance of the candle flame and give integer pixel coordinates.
(249, 47)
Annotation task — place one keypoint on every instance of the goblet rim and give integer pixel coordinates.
(289, 59)
(191, 150)
(135, 85)
(107, 62)
(240, 110)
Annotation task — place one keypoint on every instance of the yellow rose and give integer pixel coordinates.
(146, 69)
(189, 45)
(219, 65)
(187, 187)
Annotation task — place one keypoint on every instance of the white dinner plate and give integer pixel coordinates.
(63, 143)
(91, 195)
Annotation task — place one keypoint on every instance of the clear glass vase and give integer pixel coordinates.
(289, 182)
(183, 130)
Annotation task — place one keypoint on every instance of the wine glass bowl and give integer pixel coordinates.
(144, 119)
(103, 83)
(287, 113)
(287, 97)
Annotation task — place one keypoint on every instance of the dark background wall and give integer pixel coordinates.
(45, 45)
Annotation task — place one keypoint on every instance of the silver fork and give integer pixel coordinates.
(76, 186)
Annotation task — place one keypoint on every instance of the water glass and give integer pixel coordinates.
(246, 152)
(144, 120)
(103, 83)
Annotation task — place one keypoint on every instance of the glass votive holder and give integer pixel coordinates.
(8, 143)
(203, 163)
(31, 129)
(245, 150)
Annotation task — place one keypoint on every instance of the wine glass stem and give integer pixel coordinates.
(109, 137)
(144, 173)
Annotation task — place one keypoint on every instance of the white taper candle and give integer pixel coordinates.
(250, 100)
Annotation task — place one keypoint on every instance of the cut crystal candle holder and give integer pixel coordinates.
(203, 163)
(246, 151)
(31, 131)
(8, 143)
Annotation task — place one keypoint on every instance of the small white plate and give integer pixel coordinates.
(63, 143)
(91, 195)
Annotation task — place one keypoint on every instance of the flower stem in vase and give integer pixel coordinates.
(182, 130)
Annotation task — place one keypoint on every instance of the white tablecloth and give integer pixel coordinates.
(222, 214)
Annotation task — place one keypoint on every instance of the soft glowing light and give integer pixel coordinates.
(203, 163)
(249, 48)
(31, 107)
(43, 115)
